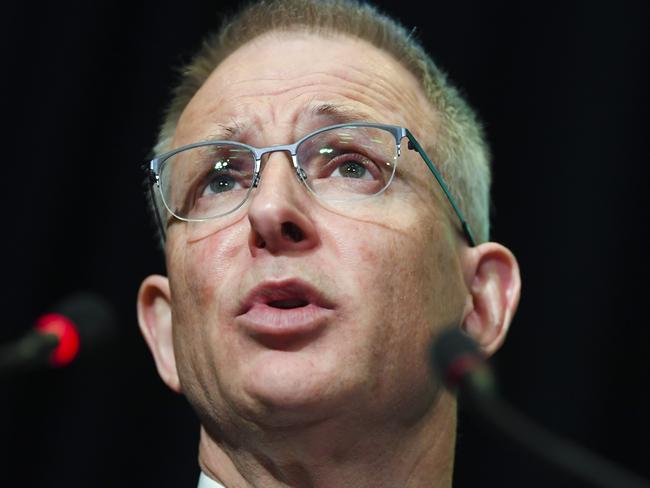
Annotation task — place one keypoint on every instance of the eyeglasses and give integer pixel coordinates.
(338, 163)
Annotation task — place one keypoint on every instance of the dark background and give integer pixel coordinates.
(562, 89)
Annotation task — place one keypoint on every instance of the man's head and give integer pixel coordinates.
(454, 139)
(291, 312)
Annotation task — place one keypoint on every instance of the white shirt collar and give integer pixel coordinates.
(207, 482)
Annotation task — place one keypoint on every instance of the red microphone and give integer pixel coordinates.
(67, 346)
(78, 323)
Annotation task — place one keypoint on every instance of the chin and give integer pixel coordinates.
(293, 386)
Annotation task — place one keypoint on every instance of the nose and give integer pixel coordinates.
(279, 213)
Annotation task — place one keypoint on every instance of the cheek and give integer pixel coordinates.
(410, 279)
(398, 276)
(200, 270)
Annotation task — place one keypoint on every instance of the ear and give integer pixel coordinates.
(492, 277)
(155, 318)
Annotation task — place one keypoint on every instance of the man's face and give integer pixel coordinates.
(290, 311)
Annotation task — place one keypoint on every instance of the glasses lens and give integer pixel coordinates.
(348, 163)
(207, 181)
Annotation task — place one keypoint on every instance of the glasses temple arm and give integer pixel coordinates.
(414, 144)
(151, 182)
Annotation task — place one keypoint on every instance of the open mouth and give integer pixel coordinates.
(284, 315)
(284, 295)
(288, 303)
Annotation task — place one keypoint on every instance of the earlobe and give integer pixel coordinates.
(492, 277)
(155, 319)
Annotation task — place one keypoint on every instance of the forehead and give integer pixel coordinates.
(282, 85)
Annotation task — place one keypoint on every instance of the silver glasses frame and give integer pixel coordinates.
(399, 133)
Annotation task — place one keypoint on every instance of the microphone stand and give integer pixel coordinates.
(27, 353)
(553, 449)
(459, 363)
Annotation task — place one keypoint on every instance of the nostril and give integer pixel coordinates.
(292, 231)
(258, 241)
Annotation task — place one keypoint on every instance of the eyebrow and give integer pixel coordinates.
(335, 114)
(340, 113)
(225, 132)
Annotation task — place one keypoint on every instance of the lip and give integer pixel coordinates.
(264, 317)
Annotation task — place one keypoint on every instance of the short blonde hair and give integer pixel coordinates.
(460, 151)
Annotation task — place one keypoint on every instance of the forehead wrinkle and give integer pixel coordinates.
(371, 89)
(382, 87)
(283, 81)
(370, 111)
(393, 96)
(364, 86)
(384, 90)
(391, 83)
(357, 107)
(321, 103)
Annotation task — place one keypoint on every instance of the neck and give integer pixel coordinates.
(339, 453)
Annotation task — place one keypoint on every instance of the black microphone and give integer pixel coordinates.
(79, 323)
(460, 364)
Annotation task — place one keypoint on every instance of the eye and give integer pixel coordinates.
(350, 169)
(220, 183)
(225, 176)
(354, 166)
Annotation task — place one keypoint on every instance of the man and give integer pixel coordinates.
(313, 253)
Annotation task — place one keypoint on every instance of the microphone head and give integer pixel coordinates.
(82, 322)
(65, 335)
(454, 356)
